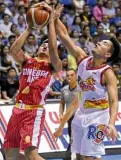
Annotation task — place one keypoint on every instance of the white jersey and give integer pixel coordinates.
(94, 95)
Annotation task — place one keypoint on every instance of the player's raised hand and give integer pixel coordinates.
(56, 12)
(44, 5)
(112, 132)
(58, 132)
(59, 10)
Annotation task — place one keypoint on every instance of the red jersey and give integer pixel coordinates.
(35, 81)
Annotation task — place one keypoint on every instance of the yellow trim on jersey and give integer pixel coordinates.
(26, 106)
(99, 104)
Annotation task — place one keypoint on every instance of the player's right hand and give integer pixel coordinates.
(58, 132)
(59, 10)
(56, 12)
(112, 132)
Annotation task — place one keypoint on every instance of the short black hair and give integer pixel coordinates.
(116, 51)
(11, 36)
(11, 68)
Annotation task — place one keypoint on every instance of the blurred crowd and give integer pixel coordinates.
(87, 22)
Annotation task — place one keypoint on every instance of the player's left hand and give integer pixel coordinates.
(58, 132)
(112, 132)
(43, 4)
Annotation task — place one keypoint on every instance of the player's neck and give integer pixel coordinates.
(94, 63)
(72, 85)
(39, 59)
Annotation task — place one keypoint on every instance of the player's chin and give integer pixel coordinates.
(43, 54)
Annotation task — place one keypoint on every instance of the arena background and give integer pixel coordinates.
(52, 149)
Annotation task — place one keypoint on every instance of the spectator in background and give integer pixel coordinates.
(86, 32)
(75, 36)
(62, 73)
(10, 85)
(11, 40)
(71, 62)
(7, 60)
(91, 3)
(70, 15)
(31, 45)
(5, 26)
(86, 14)
(78, 6)
(105, 23)
(109, 9)
(93, 26)
(98, 11)
(117, 19)
(68, 93)
(14, 30)
(21, 24)
(82, 40)
(55, 90)
(113, 30)
(117, 71)
(118, 36)
(4, 10)
(21, 12)
(62, 52)
(77, 24)
(100, 32)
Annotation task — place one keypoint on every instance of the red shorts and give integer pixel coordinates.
(24, 128)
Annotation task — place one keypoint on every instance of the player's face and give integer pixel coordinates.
(71, 76)
(43, 50)
(102, 49)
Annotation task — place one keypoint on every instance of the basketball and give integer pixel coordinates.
(37, 17)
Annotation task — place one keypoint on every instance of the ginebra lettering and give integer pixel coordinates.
(34, 74)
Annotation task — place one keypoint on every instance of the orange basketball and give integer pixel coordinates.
(37, 17)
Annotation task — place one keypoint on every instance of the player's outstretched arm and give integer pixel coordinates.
(111, 83)
(62, 32)
(16, 51)
(56, 62)
(71, 109)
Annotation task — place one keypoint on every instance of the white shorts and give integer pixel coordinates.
(88, 132)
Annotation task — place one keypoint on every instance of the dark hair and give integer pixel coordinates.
(116, 51)
(11, 36)
(12, 26)
(4, 15)
(2, 4)
(11, 68)
(31, 35)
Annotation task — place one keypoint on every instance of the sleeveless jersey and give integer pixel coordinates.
(35, 81)
(94, 95)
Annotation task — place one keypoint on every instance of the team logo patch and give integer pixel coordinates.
(97, 133)
(27, 139)
(88, 84)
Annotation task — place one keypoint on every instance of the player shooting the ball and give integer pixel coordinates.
(27, 120)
